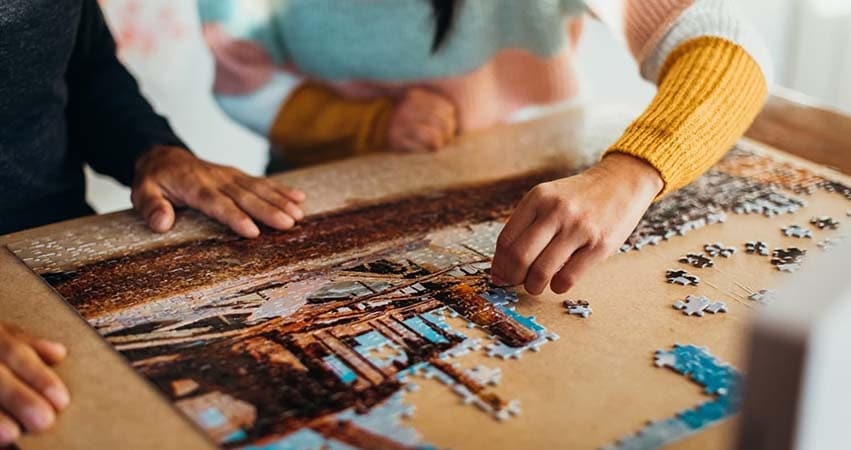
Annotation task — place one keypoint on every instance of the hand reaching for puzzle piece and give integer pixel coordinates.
(562, 227)
(422, 121)
(30, 392)
(169, 176)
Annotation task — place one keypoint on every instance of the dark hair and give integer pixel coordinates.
(444, 14)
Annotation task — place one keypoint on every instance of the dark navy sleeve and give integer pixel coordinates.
(109, 121)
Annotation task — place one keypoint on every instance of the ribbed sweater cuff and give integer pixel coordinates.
(710, 92)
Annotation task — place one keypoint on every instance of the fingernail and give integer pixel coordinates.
(58, 396)
(57, 348)
(9, 434)
(251, 229)
(158, 220)
(498, 281)
(37, 419)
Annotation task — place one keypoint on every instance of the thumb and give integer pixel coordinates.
(149, 200)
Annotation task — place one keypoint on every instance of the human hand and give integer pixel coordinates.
(561, 228)
(422, 121)
(30, 392)
(170, 176)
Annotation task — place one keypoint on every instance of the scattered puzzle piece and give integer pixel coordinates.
(681, 277)
(788, 259)
(695, 305)
(578, 308)
(823, 222)
(797, 231)
(830, 243)
(764, 296)
(758, 247)
(697, 260)
(718, 249)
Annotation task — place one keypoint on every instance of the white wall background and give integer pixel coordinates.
(161, 43)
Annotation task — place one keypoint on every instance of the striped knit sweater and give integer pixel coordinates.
(318, 77)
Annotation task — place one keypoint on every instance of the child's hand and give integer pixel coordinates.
(30, 392)
(422, 121)
(563, 227)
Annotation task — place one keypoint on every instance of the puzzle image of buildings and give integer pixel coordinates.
(325, 336)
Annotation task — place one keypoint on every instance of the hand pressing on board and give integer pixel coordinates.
(563, 227)
(31, 394)
(422, 121)
(169, 177)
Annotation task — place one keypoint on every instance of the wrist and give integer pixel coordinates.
(151, 157)
(633, 173)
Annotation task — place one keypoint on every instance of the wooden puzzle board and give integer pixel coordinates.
(593, 386)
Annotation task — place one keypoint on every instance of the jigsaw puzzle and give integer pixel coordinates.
(316, 337)
(718, 380)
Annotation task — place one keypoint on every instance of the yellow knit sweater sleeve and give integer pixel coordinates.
(316, 124)
(710, 91)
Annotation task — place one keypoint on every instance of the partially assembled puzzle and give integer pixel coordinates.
(325, 336)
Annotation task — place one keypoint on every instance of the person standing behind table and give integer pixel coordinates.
(65, 100)
(323, 79)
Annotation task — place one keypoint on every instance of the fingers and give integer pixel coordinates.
(513, 261)
(50, 352)
(23, 403)
(549, 262)
(521, 219)
(9, 430)
(423, 121)
(259, 208)
(280, 198)
(575, 267)
(23, 361)
(150, 201)
(219, 206)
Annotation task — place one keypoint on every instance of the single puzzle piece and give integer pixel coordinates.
(697, 260)
(797, 231)
(830, 243)
(578, 308)
(764, 296)
(681, 277)
(695, 305)
(718, 249)
(788, 259)
(825, 222)
(758, 247)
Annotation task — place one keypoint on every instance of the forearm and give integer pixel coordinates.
(109, 120)
(317, 124)
(710, 92)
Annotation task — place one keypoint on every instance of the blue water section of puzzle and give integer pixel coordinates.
(386, 419)
(719, 380)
